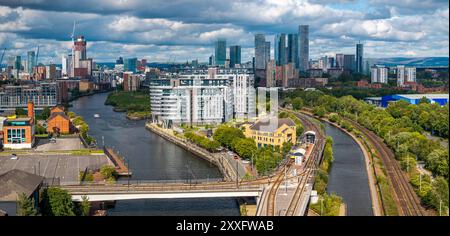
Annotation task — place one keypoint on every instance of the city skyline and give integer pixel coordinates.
(162, 32)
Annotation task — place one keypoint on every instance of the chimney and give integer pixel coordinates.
(31, 109)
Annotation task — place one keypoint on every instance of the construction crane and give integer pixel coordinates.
(73, 31)
(1, 59)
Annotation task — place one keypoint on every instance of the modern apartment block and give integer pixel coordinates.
(202, 96)
(42, 95)
(379, 74)
(405, 74)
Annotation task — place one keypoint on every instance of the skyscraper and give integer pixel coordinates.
(292, 56)
(303, 32)
(339, 61)
(130, 64)
(280, 49)
(220, 52)
(64, 65)
(235, 55)
(267, 52)
(31, 61)
(349, 62)
(260, 51)
(359, 57)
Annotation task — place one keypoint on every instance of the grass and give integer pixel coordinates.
(83, 152)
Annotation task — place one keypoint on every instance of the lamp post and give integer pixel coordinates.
(237, 171)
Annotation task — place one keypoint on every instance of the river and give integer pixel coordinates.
(348, 174)
(150, 157)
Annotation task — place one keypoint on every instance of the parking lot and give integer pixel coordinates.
(64, 167)
(59, 145)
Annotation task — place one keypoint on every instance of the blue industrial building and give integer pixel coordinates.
(441, 99)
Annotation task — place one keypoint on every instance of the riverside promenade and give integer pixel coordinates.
(227, 166)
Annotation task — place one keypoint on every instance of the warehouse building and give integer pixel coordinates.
(441, 99)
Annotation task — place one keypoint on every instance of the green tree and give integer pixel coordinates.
(319, 111)
(26, 206)
(45, 113)
(297, 103)
(85, 206)
(226, 134)
(21, 112)
(408, 163)
(424, 100)
(245, 147)
(58, 202)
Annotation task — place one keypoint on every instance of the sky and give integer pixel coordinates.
(181, 30)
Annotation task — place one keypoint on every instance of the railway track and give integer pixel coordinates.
(270, 211)
(404, 195)
(310, 165)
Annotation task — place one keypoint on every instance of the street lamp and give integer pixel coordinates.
(237, 171)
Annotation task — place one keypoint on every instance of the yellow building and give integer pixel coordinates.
(273, 132)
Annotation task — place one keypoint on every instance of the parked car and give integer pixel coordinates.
(53, 140)
(13, 156)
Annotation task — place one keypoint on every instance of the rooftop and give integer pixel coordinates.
(271, 125)
(419, 96)
(15, 182)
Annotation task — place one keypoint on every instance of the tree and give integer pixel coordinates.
(85, 206)
(286, 148)
(26, 207)
(226, 134)
(45, 113)
(319, 111)
(71, 114)
(21, 112)
(424, 100)
(297, 103)
(245, 147)
(58, 202)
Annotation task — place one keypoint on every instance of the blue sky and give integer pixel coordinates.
(161, 30)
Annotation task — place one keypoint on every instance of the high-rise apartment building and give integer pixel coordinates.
(235, 56)
(64, 65)
(405, 74)
(271, 74)
(303, 34)
(220, 52)
(359, 58)
(410, 74)
(379, 74)
(400, 75)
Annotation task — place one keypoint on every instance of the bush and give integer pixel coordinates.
(108, 172)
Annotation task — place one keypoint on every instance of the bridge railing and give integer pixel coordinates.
(124, 181)
(121, 188)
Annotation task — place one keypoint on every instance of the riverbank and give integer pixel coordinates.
(216, 159)
(135, 104)
(375, 194)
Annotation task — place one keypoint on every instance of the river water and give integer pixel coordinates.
(153, 158)
(348, 174)
(150, 157)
